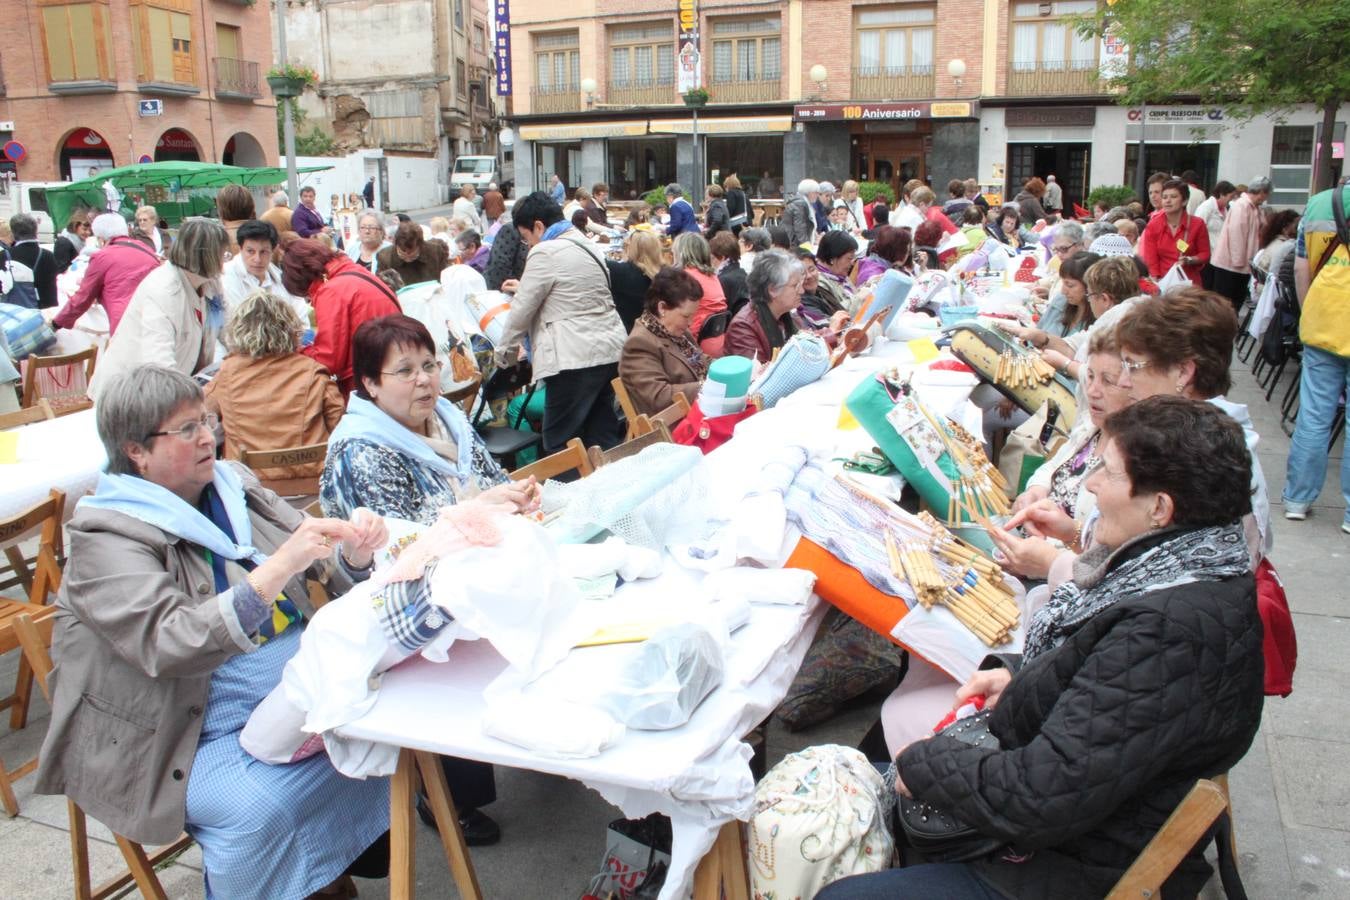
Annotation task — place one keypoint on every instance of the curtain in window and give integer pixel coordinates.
(921, 50)
(643, 70)
(771, 51)
(896, 60)
(869, 51)
(1053, 46)
(544, 75)
(745, 61)
(1082, 51)
(665, 63)
(576, 69)
(721, 61)
(1024, 48)
(619, 72)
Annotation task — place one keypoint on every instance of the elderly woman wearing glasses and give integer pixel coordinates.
(401, 449)
(370, 231)
(183, 600)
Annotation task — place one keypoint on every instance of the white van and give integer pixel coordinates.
(479, 171)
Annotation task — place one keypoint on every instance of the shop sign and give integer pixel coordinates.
(1049, 116)
(1177, 115)
(1337, 149)
(501, 47)
(687, 46)
(86, 139)
(882, 112)
(176, 141)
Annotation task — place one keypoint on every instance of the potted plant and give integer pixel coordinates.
(289, 80)
(696, 97)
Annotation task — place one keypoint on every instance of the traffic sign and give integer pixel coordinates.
(152, 108)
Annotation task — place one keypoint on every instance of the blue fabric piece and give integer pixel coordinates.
(406, 614)
(366, 420)
(158, 506)
(277, 615)
(555, 229)
(271, 831)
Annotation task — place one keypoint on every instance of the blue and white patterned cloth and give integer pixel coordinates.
(272, 831)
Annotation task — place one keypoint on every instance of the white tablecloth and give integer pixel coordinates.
(697, 774)
(62, 453)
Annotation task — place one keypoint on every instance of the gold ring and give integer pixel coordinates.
(327, 541)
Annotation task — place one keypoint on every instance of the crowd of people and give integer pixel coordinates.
(185, 591)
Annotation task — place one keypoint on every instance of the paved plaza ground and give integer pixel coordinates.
(1291, 794)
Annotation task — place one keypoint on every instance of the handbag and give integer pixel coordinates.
(1175, 277)
(938, 835)
(26, 331)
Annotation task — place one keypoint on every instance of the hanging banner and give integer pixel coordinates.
(687, 47)
(501, 45)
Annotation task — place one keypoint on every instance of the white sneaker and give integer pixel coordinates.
(1295, 512)
(1345, 526)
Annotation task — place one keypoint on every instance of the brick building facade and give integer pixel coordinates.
(999, 90)
(75, 84)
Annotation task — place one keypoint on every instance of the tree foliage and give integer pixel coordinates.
(1250, 57)
(315, 142)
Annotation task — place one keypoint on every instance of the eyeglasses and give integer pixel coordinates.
(1129, 368)
(371, 228)
(407, 374)
(188, 430)
(1064, 250)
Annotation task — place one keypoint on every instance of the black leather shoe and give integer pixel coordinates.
(479, 830)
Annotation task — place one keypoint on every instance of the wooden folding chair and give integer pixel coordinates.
(35, 637)
(1193, 817)
(47, 515)
(66, 397)
(673, 414)
(465, 395)
(630, 413)
(38, 412)
(311, 454)
(573, 457)
(653, 432)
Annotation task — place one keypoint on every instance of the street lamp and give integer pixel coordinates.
(957, 70)
(818, 74)
(589, 87)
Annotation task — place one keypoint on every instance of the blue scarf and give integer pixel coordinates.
(158, 506)
(367, 421)
(555, 229)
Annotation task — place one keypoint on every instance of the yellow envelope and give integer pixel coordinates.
(923, 349)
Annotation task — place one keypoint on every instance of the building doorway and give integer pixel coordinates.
(890, 158)
(1174, 159)
(1070, 163)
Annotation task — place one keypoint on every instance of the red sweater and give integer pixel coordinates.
(347, 296)
(1158, 245)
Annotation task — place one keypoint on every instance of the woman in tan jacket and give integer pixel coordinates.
(660, 358)
(269, 396)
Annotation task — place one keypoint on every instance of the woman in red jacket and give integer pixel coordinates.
(343, 293)
(1175, 236)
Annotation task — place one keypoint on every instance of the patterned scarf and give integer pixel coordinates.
(1203, 554)
(684, 344)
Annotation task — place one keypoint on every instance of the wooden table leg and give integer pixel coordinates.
(447, 823)
(721, 873)
(402, 829)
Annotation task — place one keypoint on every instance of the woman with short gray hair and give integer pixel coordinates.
(765, 323)
(372, 239)
(183, 599)
(176, 311)
(754, 241)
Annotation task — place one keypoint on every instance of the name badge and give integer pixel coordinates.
(1182, 246)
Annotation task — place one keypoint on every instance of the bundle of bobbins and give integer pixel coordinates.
(1022, 370)
(944, 570)
(980, 489)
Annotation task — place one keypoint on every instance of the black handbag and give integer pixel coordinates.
(936, 834)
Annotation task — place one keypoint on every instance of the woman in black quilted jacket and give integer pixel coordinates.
(1139, 676)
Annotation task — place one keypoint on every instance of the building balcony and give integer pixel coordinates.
(745, 91)
(1054, 77)
(642, 92)
(158, 88)
(84, 86)
(560, 99)
(237, 79)
(893, 83)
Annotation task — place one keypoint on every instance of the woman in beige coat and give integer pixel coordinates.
(183, 599)
(176, 312)
(660, 358)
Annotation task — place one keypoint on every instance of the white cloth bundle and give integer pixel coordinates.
(787, 587)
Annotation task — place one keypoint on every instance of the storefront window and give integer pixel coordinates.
(563, 159)
(639, 165)
(1175, 159)
(757, 160)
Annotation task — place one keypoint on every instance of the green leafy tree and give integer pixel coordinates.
(315, 142)
(1249, 57)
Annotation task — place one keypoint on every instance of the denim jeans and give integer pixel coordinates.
(1324, 380)
(930, 881)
